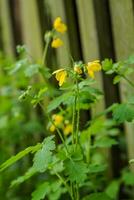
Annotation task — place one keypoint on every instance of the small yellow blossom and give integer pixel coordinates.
(68, 129)
(93, 67)
(52, 128)
(56, 43)
(61, 75)
(57, 119)
(78, 69)
(59, 25)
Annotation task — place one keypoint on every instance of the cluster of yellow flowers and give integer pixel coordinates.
(58, 122)
(60, 27)
(91, 67)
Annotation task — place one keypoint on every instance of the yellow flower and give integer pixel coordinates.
(57, 119)
(61, 75)
(78, 69)
(52, 128)
(59, 25)
(93, 67)
(68, 129)
(57, 42)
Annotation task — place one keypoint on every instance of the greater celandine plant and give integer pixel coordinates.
(69, 158)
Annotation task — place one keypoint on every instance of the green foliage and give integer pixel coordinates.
(20, 155)
(98, 196)
(121, 69)
(105, 142)
(128, 178)
(41, 191)
(43, 157)
(123, 112)
(113, 189)
(23, 178)
(76, 170)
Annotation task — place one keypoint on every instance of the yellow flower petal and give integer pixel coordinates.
(52, 128)
(68, 129)
(58, 70)
(61, 75)
(57, 119)
(95, 65)
(59, 25)
(62, 78)
(91, 73)
(56, 43)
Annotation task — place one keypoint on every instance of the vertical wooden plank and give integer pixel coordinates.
(6, 29)
(89, 40)
(91, 51)
(31, 30)
(57, 9)
(123, 30)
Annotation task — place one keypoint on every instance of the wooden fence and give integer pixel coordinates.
(96, 29)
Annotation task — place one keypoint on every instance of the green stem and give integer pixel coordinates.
(130, 82)
(78, 113)
(88, 149)
(73, 122)
(45, 53)
(77, 192)
(65, 184)
(58, 131)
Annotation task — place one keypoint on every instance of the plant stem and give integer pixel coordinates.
(78, 113)
(45, 53)
(65, 184)
(130, 82)
(73, 122)
(58, 131)
(77, 192)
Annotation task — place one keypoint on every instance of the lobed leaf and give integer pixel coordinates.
(44, 156)
(41, 191)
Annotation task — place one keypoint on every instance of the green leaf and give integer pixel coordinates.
(56, 190)
(31, 171)
(113, 189)
(123, 112)
(41, 191)
(18, 65)
(128, 178)
(76, 170)
(117, 79)
(105, 142)
(131, 161)
(44, 156)
(32, 70)
(21, 154)
(64, 98)
(86, 82)
(96, 126)
(96, 168)
(107, 64)
(42, 91)
(97, 196)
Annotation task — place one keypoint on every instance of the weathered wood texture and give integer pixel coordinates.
(6, 28)
(123, 30)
